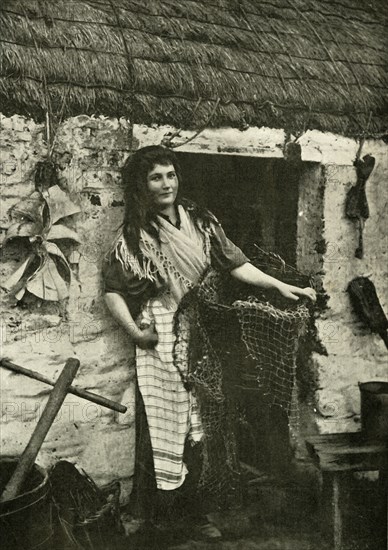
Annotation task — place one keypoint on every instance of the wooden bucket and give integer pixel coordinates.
(26, 521)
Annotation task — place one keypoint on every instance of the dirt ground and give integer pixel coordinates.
(279, 517)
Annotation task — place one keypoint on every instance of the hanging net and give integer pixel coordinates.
(237, 338)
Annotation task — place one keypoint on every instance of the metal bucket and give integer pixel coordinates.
(374, 409)
(26, 521)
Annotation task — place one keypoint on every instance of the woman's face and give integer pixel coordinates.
(162, 183)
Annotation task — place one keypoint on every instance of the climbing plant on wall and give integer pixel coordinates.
(41, 218)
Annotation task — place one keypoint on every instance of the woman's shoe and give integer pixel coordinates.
(208, 531)
(134, 526)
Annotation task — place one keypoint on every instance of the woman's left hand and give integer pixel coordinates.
(294, 292)
(249, 274)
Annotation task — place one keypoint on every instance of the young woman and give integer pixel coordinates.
(166, 244)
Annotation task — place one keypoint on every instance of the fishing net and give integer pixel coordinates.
(237, 338)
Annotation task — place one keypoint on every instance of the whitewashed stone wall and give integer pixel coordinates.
(41, 336)
(354, 354)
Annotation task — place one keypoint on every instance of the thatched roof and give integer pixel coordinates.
(296, 64)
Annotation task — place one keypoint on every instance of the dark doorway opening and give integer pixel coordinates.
(256, 200)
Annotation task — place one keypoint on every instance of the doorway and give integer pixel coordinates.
(255, 199)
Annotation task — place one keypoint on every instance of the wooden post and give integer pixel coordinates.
(331, 512)
(337, 520)
(54, 403)
(383, 483)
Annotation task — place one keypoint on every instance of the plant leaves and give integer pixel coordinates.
(34, 217)
(61, 260)
(53, 248)
(19, 295)
(16, 284)
(17, 275)
(60, 231)
(29, 209)
(59, 203)
(74, 257)
(22, 229)
(47, 284)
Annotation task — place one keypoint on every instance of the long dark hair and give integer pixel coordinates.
(139, 209)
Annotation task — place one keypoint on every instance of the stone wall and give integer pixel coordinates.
(327, 243)
(41, 335)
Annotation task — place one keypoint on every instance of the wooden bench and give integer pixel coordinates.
(338, 454)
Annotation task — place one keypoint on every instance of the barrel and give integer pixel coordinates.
(374, 409)
(26, 521)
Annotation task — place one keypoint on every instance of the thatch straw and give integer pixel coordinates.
(296, 64)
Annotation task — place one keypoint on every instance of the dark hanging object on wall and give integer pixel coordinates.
(46, 175)
(366, 304)
(293, 153)
(356, 206)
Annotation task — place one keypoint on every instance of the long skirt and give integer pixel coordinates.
(156, 505)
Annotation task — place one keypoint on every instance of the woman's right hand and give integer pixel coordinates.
(147, 337)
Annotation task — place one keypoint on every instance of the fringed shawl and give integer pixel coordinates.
(178, 257)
